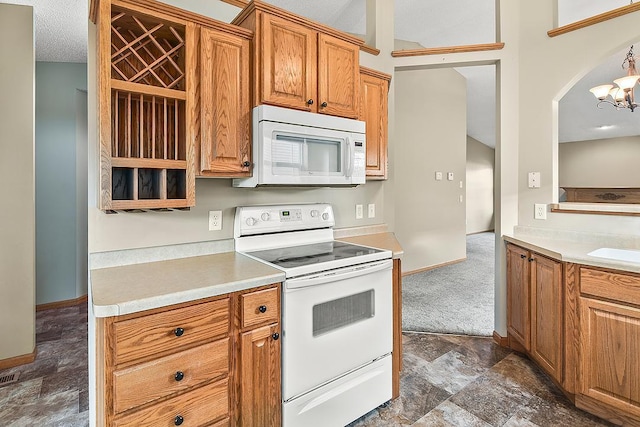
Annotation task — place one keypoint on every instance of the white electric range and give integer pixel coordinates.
(336, 312)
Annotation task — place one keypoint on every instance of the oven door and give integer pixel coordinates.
(335, 322)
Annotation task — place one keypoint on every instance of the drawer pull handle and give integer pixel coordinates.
(310, 102)
(531, 259)
(178, 332)
(323, 105)
(523, 256)
(275, 336)
(179, 376)
(178, 420)
(262, 309)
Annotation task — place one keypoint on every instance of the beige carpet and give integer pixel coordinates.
(455, 299)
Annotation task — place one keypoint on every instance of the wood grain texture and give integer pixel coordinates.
(103, 55)
(225, 110)
(153, 335)
(571, 327)
(518, 294)
(261, 7)
(610, 354)
(61, 304)
(144, 383)
(594, 20)
(370, 49)
(148, 90)
(198, 407)
(374, 111)
(23, 359)
(447, 50)
(396, 356)
(288, 67)
(547, 337)
(124, 162)
(260, 378)
(606, 412)
(614, 285)
(602, 195)
(338, 77)
(592, 212)
(251, 302)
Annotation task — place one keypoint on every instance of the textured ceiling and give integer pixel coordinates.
(61, 36)
(61, 29)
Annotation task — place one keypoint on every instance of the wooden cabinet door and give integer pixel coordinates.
(288, 64)
(374, 93)
(518, 306)
(260, 395)
(338, 77)
(610, 354)
(546, 314)
(225, 104)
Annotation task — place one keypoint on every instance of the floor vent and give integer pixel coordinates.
(9, 379)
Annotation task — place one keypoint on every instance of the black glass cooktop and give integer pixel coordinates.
(296, 256)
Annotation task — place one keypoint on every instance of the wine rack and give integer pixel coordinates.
(147, 156)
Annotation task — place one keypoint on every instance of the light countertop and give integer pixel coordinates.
(385, 240)
(574, 248)
(133, 288)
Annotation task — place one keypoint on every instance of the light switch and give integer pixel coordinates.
(534, 179)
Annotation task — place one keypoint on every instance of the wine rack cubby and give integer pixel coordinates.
(147, 155)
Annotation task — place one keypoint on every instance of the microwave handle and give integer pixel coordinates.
(349, 157)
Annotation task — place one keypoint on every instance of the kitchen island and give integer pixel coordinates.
(578, 316)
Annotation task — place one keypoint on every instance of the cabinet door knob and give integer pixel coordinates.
(275, 336)
(523, 256)
(531, 259)
(323, 105)
(179, 376)
(262, 309)
(246, 164)
(178, 420)
(310, 102)
(178, 332)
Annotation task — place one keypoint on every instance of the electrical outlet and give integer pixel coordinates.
(450, 176)
(215, 220)
(359, 212)
(540, 211)
(438, 176)
(372, 210)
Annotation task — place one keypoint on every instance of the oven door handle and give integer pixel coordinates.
(339, 274)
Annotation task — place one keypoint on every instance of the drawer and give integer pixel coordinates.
(159, 378)
(611, 285)
(198, 407)
(169, 331)
(260, 307)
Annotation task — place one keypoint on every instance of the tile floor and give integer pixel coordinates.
(447, 380)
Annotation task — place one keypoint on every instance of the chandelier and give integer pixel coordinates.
(620, 96)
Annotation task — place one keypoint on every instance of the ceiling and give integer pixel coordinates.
(61, 36)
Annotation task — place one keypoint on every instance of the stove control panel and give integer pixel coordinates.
(252, 220)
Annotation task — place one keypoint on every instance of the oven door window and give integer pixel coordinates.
(339, 313)
(303, 155)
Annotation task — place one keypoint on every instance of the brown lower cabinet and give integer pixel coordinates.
(207, 362)
(581, 325)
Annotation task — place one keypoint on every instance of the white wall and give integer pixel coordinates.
(430, 218)
(17, 192)
(548, 67)
(613, 162)
(60, 150)
(479, 183)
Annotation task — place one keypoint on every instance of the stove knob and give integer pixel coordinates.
(325, 216)
(265, 216)
(251, 221)
(314, 213)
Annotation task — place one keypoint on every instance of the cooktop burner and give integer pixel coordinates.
(296, 256)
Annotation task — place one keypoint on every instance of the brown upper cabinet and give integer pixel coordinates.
(374, 100)
(302, 64)
(225, 110)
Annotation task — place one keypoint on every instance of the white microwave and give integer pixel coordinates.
(298, 148)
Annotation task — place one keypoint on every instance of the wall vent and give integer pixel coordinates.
(9, 379)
